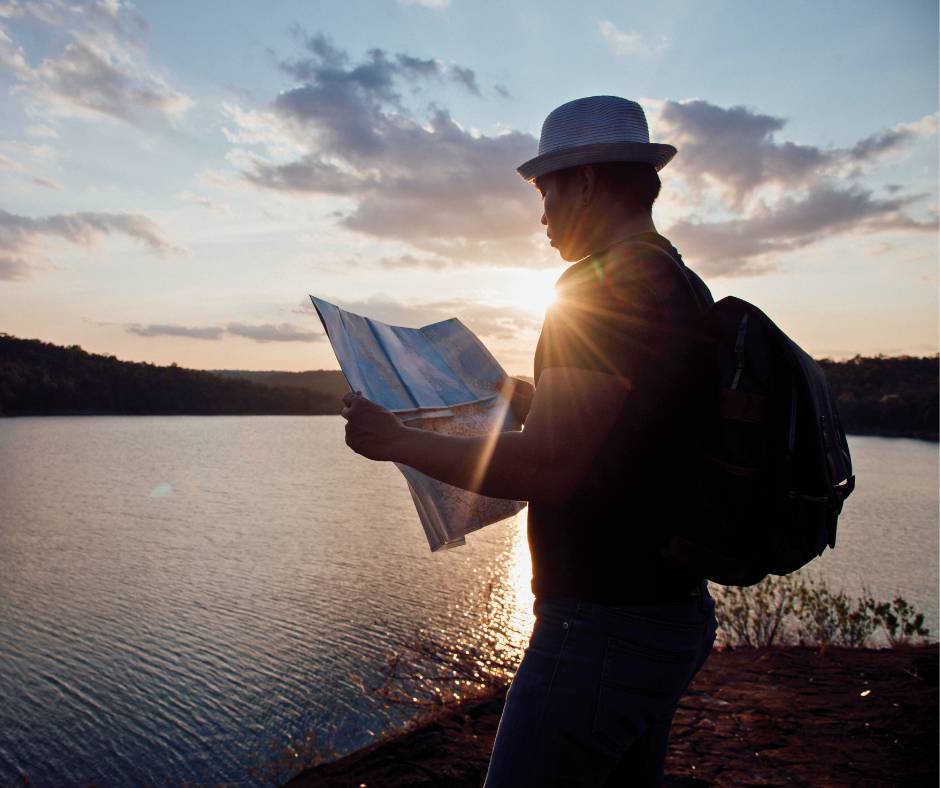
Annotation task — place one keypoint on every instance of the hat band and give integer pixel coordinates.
(657, 154)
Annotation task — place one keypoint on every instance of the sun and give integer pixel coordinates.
(534, 291)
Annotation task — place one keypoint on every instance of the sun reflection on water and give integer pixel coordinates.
(519, 578)
(475, 647)
(509, 615)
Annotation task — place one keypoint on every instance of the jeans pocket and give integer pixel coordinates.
(552, 624)
(639, 687)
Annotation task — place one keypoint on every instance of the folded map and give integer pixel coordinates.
(440, 377)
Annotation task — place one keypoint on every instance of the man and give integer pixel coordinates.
(604, 461)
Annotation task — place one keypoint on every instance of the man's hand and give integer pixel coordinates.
(371, 430)
(520, 394)
(572, 413)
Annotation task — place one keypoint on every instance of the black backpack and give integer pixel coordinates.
(772, 467)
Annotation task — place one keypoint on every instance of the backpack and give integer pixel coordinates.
(772, 467)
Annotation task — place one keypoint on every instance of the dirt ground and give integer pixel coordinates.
(787, 716)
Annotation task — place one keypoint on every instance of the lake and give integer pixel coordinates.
(182, 598)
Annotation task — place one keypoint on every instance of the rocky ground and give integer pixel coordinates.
(768, 717)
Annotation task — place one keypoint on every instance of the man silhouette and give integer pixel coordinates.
(619, 630)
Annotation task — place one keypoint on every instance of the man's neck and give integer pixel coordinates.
(610, 235)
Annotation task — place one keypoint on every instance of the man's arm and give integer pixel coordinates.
(571, 413)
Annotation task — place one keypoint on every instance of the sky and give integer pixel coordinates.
(175, 178)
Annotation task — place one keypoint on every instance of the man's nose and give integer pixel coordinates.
(544, 220)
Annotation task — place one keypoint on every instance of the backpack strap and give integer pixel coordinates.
(679, 269)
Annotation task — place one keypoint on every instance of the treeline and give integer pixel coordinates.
(41, 378)
(895, 396)
(325, 381)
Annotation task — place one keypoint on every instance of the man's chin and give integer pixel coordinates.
(566, 251)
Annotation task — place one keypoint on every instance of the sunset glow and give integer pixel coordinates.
(534, 293)
(180, 208)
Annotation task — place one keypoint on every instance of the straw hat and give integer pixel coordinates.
(592, 130)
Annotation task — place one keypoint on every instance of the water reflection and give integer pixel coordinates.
(512, 612)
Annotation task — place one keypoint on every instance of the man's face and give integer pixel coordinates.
(562, 215)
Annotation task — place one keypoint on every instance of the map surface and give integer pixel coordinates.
(440, 378)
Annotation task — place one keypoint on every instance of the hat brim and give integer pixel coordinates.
(655, 153)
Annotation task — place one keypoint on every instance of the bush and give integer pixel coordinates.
(900, 621)
(757, 616)
(798, 609)
(833, 618)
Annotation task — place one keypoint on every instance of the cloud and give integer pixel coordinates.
(21, 237)
(736, 149)
(10, 164)
(894, 141)
(204, 202)
(115, 16)
(42, 153)
(268, 332)
(12, 268)
(630, 42)
(427, 181)
(47, 183)
(465, 77)
(165, 330)
(746, 245)
(101, 71)
(450, 194)
(378, 72)
(410, 261)
(782, 196)
(426, 3)
(40, 130)
(265, 332)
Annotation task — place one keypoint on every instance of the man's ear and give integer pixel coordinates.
(588, 183)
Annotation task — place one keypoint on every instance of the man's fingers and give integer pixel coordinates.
(352, 396)
(353, 405)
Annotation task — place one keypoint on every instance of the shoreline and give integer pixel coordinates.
(784, 715)
(928, 437)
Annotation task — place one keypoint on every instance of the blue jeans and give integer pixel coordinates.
(594, 697)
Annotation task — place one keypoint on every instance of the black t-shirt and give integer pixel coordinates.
(628, 313)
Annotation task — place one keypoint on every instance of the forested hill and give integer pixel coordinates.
(326, 381)
(887, 395)
(877, 396)
(41, 378)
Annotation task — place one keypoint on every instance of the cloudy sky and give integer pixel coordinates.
(176, 177)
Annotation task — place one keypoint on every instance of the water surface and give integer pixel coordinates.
(183, 597)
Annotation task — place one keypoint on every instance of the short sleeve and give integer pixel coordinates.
(596, 327)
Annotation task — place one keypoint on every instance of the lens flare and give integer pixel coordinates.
(161, 490)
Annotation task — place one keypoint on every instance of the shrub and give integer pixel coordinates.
(833, 618)
(900, 621)
(797, 608)
(757, 616)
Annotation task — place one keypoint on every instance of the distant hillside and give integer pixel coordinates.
(877, 396)
(326, 381)
(41, 378)
(894, 396)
